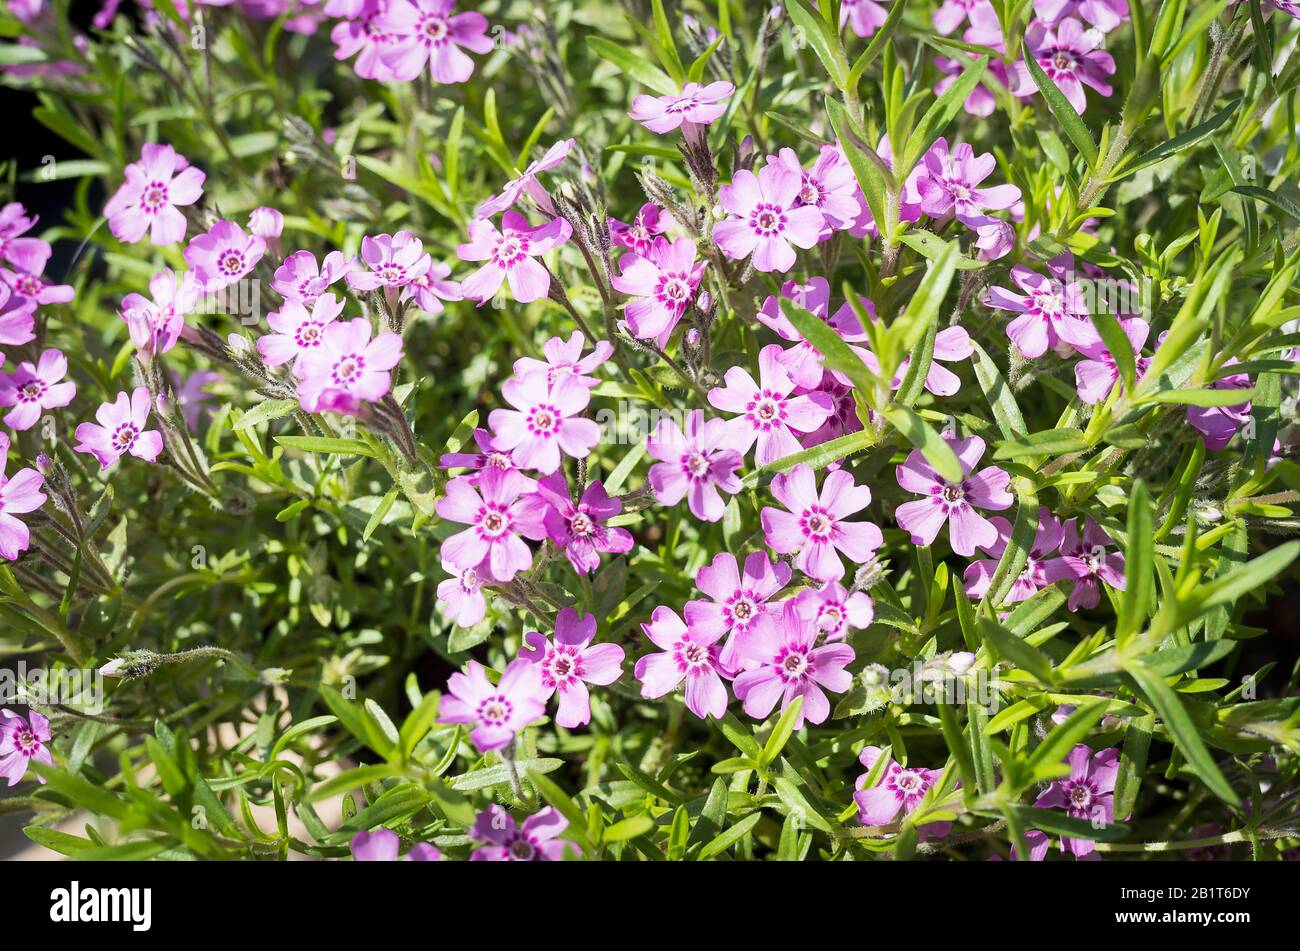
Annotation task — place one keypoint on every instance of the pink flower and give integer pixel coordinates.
(382, 845)
(364, 33)
(899, 788)
(17, 318)
(223, 255)
(509, 255)
(686, 655)
(192, 395)
(1098, 375)
(461, 595)
(952, 183)
(739, 605)
(26, 254)
(844, 413)
(696, 105)
(803, 362)
(782, 664)
(35, 387)
(300, 278)
(120, 430)
(694, 465)
(544, 421)
(489, 456)
(979, 102)
(1085, 561)
(564, 358)
(640, 234)
(535, 841)
(571, 662)
(663, 282)
(18, 496)
(432, 32)
(1088, 793)
(348, 362)
(863, 16)
(1218, 424)
(23, 739)
(832, 610)
(950, 345)
(431, 288)
(954, 503)
(768, 413)
(1069, 56)
(1105, 15)
(497, 711)
(766, 218)
(580, 528)
(394, 261)
(150, 194)
(814, 526)
(155, 325)
(1054, 310)
(266, 223)
(35, 289)
(829, 185)
(527, 183)
(298, 331)
(951, 13)
(498, 509)
(1033, 577)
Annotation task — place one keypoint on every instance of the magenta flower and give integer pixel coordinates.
(498, 508)
(803, 362)
(1054, 310)
(899, 788)
(1096, 376)
(432, 32)
(580, 528)
(489, 456)
(695, 106)
(782, 663)
(1069, 56)
(564, 358)
(768, 413)
(266, 223)
(1218, 424)
(1105, 15)
(693, 465)
(952, 13)
(952, 183)
(844, 413)
(979, 102)
(18, 496)
(535, 841)
(431, 288)
(17, 318)
(639, 235)
(302, 279)
(23, 739)
(298, 331)
(1088, 793)
(663, 281)
(347, 363)
(951, 344)
(766, 218)
(382, 845)
(33, 288)
(155, 325)
(829, 185)
(394, 261)
(864, 17)
(832, 610)
(1033, 577)
(26, 254)
(509, 255)
(527, 183)
(497, 711)
(739, 604)
(192, 395)
(35, 387)
(953, 503)
(1085, 561)
(544, 421)
(149, 196)
(120, 430)
(814, 526)
(365, 36)
(461, 595)
(686, 655)
(223, 255)
(571, 662)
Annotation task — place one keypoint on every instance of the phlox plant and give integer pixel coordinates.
(688, 429)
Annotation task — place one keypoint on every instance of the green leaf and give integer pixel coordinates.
(264, 411)
(1056, 746)
(1071, 122)
(824, 41)
(730, 836)
(349, 447)
(1048, 442)
(1024, 655)
(633, 66)
(1120, 347)
(1006, 411)
(1056, 822)
(629, 828)
(1138, 567)
(940, 113)
(1182, 141)
(781, 732)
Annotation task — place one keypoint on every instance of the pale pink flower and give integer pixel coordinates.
(35, 387)
(431, 288)
(148, 197)
(639, 234)
(23, 739)
(864, 17)
(223, 255)
(768, 413)
(693, 464)
(1070, 57)
(803, 362)
(685, 655)
(498, 508)
(461, 595)
(544, 421)
(766, 218)
(527, 183)
(739, 604)
(496, 711)
(432, 32)
(570, 662)
(579, 528)
(35, 289)
(347, 362)
(1105, 15)
(489, 456)
(25, 254)
(155, 325)
(1097, 375)
(298, 331)
(509, 254)
(953, 503)
(17, 318)
(695, 106)
(300, 278)
(1054, 310)
(266, 223)
(1088, 793)
(952, 13)
(900, 788)
(18, 496)
(952, 183)
(365, 36)
(393, 261)
(121, 429)
(1086, 561)
(828, 185)
(382, 845)
(564, 358)
(663, 282)
(833, 610)
(783, 663)
(815, 526)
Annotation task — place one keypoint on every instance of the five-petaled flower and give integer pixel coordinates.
(544, 421)
(570, 661)
(814, 526)
(579, 527)
(953, 502)
(150, 194)
(898, 788)
(496, 711)
(19, 495)
(510, 254)
(767, 218)
(498, 507)
(783, 661)
(23, 739)
(687, 655)
(34, 387)
(693, 464)
(534, 841)
(768, 412)
(121, 430)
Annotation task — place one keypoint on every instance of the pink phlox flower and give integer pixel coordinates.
(382, 845)
(534, 841)
(766, 218)
(498, 508)
(695, 105)
(570, 662)
(1033, 577)
(953, 13)
(687, 655)
(348, 362)
(544, 421)
(155, 325)
(34, 387)
(1088, 793)
(815, 527)
(980, 101)
(768, 414)
(489, 456)
(496, 711)
(302, 279)
(510, 255)
(953, 503)
(23, 739)
(19, 495)
(26, 254)
(364, 35)
(663, 283)
(803, 362)
(952, 183)
(900, 788)
(432, 32)
(1085, 561)
(738, 604)
(843, 418)
(527, 183)
(909, 208)
(299, 331)
(828, 185)
(1218, 424)
(121, 430)
(192, 395)
(639, 234)
(579, 528)
(1097, 375)
(31, 287)
(393, 261)
(952, 344)
(864, 17)
(1070, 57)
(223, 255)
(1054, 309)
(693, 464)
(266, 223)
(564, 358)
(150, 194)
(1105, 15)
(461, 595)
(834, 611)
(431, 288)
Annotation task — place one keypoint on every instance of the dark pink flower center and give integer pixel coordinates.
(511, 248)
(766, 410)
(348, 369)
(493, 521)
(816, 523)
(543, 420)
(469, 581)
(31, 391)
(308, 334)
(495, 710)
(25, 741)
(154, 198)
(793, 664)
(581, 525)
(691, 657)
(562, 667)
(767, 220)
(695, 464)
(124, 437)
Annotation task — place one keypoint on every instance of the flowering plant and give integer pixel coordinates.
(544, 431)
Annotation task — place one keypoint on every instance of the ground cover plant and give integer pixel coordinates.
(691, 430)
